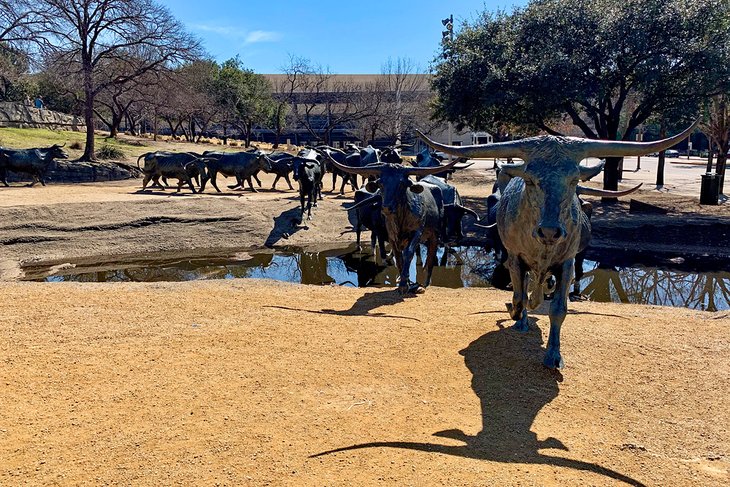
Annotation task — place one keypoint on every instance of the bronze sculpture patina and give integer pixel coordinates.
(539, 217)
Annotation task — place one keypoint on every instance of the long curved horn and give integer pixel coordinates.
(483, 151)
(364, 202)
(459, 168)
(369, 170)
(469, 211)
(425, 171)
(604, 192)
(488, 227)
(587, 173)
(608, 148)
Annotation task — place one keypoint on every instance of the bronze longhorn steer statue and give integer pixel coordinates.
(539, 217)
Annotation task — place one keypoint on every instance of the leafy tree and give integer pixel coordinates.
(244, 96)
(605, 66)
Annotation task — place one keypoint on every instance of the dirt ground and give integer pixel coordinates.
(262, 383)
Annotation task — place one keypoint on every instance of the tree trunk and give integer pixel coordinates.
(611, 176)
(662, 158)
(89, 150)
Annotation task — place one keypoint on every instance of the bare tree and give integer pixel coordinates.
(138, 35)
(19, 21)
(323, 101)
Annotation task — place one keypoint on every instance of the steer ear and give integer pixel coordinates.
(416, 188)
(371, 186)
(586, 173)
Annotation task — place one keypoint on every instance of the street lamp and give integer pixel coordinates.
(639, 138)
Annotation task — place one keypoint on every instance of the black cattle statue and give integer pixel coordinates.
(241, 165)
(34, 162)
(539, 217)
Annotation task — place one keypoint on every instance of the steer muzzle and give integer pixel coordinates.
(550, 235)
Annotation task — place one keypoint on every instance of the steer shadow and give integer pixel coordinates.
(363, 306)
(512, 388)
(285, 225)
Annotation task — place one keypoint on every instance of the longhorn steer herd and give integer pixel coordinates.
(542, 225)
(539, 217)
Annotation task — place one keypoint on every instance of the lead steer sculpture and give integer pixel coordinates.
(413, 213)
(539, 216)
(29, 161)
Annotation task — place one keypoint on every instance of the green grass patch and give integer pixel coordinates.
(26, 138)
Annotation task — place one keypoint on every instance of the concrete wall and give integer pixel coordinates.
(19, 115)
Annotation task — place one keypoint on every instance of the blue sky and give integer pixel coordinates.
(348, 36)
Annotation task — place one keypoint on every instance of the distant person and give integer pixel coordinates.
(39, 103)
(28, 102)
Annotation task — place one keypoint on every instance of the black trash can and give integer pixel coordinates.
(710, 189)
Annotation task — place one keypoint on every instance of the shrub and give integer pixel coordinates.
(76, 145)
(109, 152)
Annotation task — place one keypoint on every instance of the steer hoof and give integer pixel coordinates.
(522, 325)
(553, 360)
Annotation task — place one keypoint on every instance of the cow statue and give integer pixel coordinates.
(34, 162)
(539, 217)
(413, 213)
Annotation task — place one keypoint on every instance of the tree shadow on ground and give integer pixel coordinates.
(285, 225)
(362, 306)
(512, 387)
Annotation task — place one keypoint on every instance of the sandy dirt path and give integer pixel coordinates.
(263, 383)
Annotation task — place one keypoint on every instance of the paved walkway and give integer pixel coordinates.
(682, 176)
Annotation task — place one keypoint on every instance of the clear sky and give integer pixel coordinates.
(349, 36)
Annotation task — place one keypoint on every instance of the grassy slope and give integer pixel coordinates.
(132, 147)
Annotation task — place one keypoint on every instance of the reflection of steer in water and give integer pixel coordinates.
(412, 212)
(539, 217)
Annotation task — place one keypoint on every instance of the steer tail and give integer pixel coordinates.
(140, 157)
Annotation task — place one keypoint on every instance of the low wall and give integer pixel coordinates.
(22, 116)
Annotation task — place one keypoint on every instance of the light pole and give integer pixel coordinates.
(639, 138)
(447, 37)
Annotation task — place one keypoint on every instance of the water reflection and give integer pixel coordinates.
(464, 267)
(650, 285)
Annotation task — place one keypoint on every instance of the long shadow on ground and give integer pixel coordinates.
(285, 225)
(512, 387)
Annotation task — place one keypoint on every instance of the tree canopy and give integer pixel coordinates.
(604, 66)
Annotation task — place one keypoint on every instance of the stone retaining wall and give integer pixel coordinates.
(82, 172)
(22, 116)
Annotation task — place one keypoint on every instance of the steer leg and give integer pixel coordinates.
(286, 178)
(4, 176)
(190, 183)
(520, 280)
(146, 180)
(273, 186)
(258, 181)
(431, 248)
(558, 310)
(334, 182)
(405, 268)
(213, 175)
(250, 183)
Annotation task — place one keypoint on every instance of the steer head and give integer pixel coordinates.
(393, 180)
(551, 172)
(55, 152)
